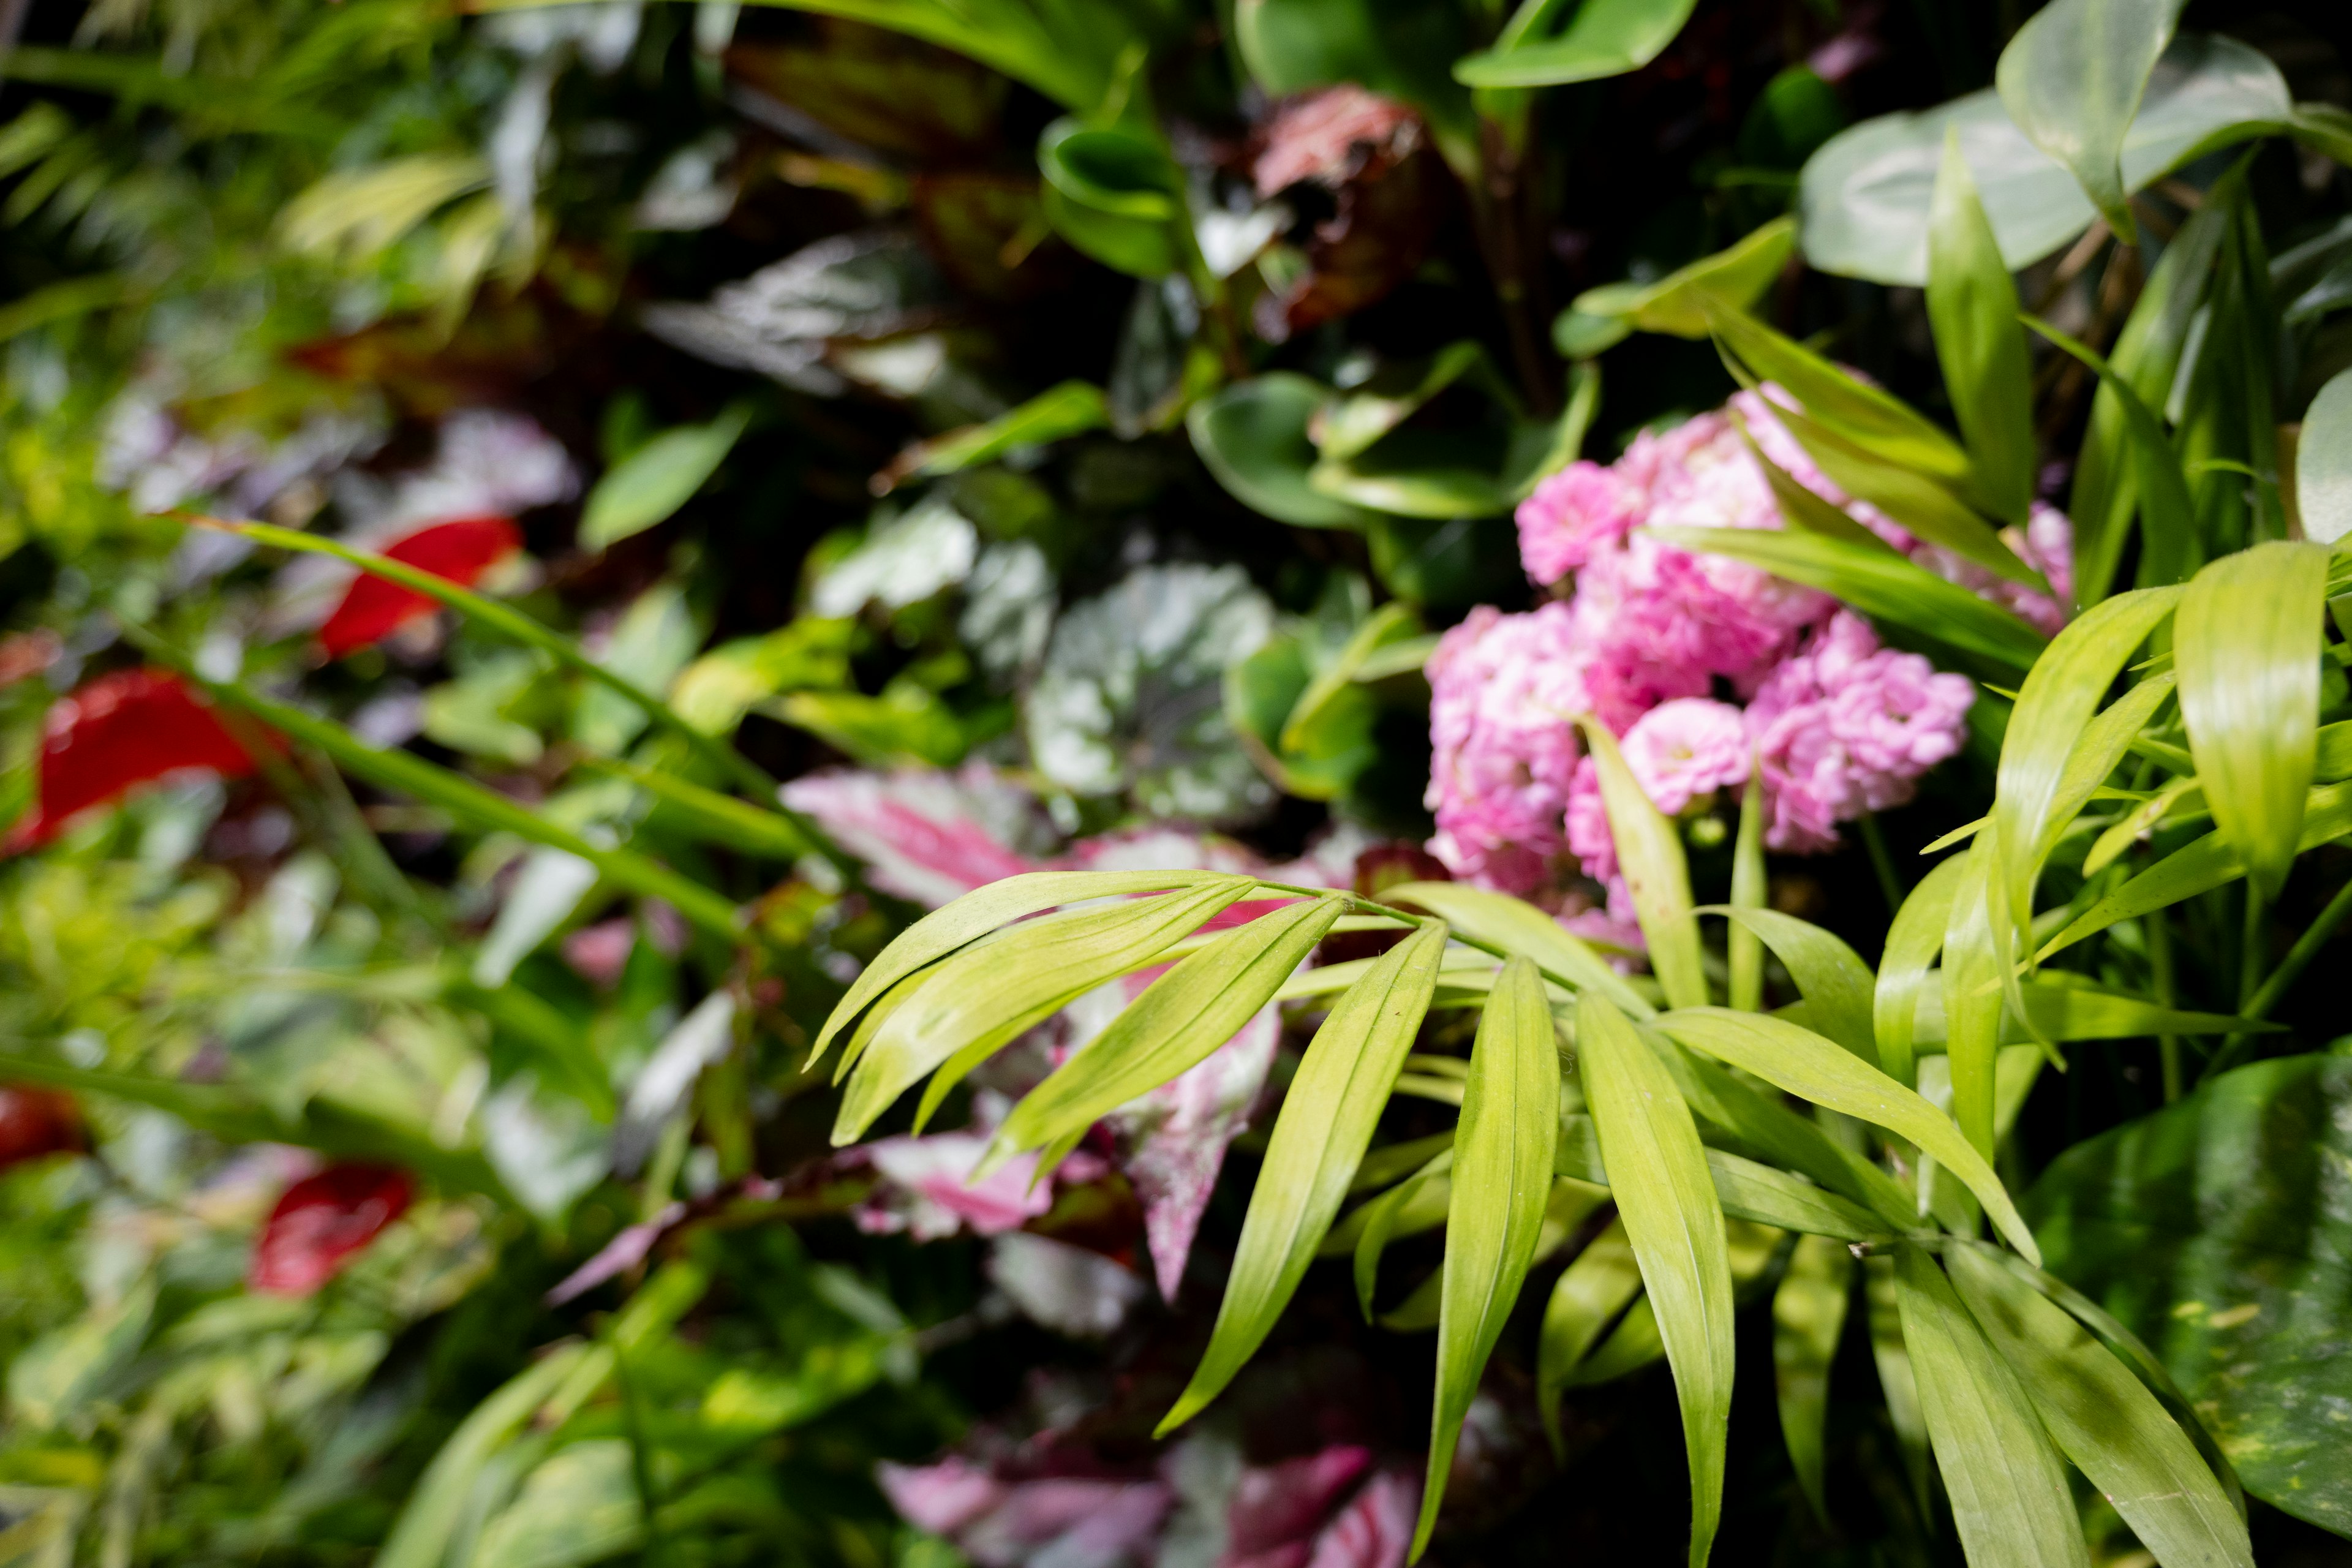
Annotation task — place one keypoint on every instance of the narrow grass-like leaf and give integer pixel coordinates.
(1503, 1172)
(1666, 1197)
(2105, 1420)
(420, 1537)
(1589, 1295)
(1318, 1145)
(1743, 949)
(1897, 1386)
(1836, 983)
(1760, 1193)
(977, 913)
(1867, 415)
(1974, 971)
(1800, 508)
(1649, 856)
(1904, 967)
(1184, 1015)
(1972, 306)
(1517, 927)
(1807, 1320)
(1390, 1163)
(714, 818)
(996, 990)
(1811, 1068)
(2181, 800)
(2172, 547)
(2065, 1011)
(2010, 1500)
(1923, 505)
(1876, 581)
(1419, 1203)
(2246, 644)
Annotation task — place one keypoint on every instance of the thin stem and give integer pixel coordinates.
(2298, 958)
(2249, 947)
(2160, 976)
(1889, 883)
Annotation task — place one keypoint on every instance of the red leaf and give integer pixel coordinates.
(322, 1222)
(459, 550)
(35, 1122)
(121, 730)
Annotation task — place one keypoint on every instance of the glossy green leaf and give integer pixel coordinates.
(649, 485)
(1666, 1198)
(1392, 46)
(1896, 1385)
(1804, 1064)
(1503, 1171)
(2073, 78)
(1650, 856)
(1315, 1152)
(1351, 421)
(1069, 408)
(1760, 1193)
(1853, 410)
(1876, 581)
(1603, 39)
(1807, 1320)
(2322, 463)
(1253, 438)
(2105, 1420)
(1114, 194)
(1972, 306)
(1837, 985)
(1913, 941)
(1589, 1296)
(2216, 1229)
(2246, 646)
(1514, 926)
(1979, 974)
(999, 988)
(2010, 1500)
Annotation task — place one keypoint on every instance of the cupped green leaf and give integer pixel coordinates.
(2322, 463)
(2246, 643)
(1253, 438)
(1315, 1152)
(1515, 927)
(1905, 966)
(1666, 1198)
(1065, 409)
(1811, 1068)
(2010, 1500)
(1604, 39)
(1649, 856)
(2073, 78)
(1972, 306)
(649, 485)
(1836, 983)
(1807, 1320)
(2106, 1421)
(1503, 1170)
(998, 989)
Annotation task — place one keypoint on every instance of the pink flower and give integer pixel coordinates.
(1504, 692)
(1589, 838)
(1572, 513)
(1682, 750)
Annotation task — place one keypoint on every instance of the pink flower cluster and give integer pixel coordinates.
(1702, 667)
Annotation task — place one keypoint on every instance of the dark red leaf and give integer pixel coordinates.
(125, 729)
(459, 550)
(322, 1222)
(1390, 195)
(35, 1122)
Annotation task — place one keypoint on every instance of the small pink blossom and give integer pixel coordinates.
(1683, 750)
(1572, 513)
(1504, 692)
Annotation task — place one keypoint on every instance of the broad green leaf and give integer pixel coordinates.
(1913, 942)
(2322, 463)
(998, 989)
(1744, 951)
(1516, 927)
(2010, 1500)
(1761, 1194)
(1868, 416)
(1400, 50)
(1115, 195)
(1666, 1198)
(1589, 1295)
(1650, 856)
(1875, 580)
(1503, 1171)
(420, 1537)
(1866, 193)
(1070, 409)
(2039, 788)
(649, 485)
(2106, 1421)
(2073, 78)
(1185, 1014)
(2246, 643)
(1807, 1320)
(1350, 422)
(978, 912)
(2216, 1229)
(1253, 438)
(1603, 39)
(1736, 277)
(1972, 306)
(2171, 542)
(1315, 1154)
(1803, 1064)
(1836, 983)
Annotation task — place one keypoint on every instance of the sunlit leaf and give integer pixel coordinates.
(1649, 856)
(1744, 950)
(1913, 941)
(1836, 985)
(2322, 463)
(1973, 305)
(1516, 926)
(1808, 1319)
(1603, 39)
(650, 484)
(2073, 78)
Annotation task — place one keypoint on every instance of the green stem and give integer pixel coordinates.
(2161, 976)
(2298, 958)
(1890, 883)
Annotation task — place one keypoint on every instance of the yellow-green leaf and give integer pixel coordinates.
(1912, 944)
(1650, 855)
(1808, 1319)
(1972, 306)
(1589, 1296)
(1837, 985)
(1744, 951)
(1516, 926)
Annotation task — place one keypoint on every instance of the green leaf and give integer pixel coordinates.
(1913, 941)
(2010, 1500)
(2246, 644)
(1069, 408)
(996, 989)
(649, 485)
(1875, 580)
(1836, 983)
(978, 912)
(1199, 1004)
(1514, 926)
(1744, 952)
(1316, 1151)
(1761, 1194)
(1419, 1203)
(2172, 543)
(1896, 1385)
(1503, 1159)
(2215, 1228)
(1351, 421)
(1800, 508)
(1807, 1320)
(1979, 978)
(1589, 1295)
(1867, 416)
(1253, 438)
(1925, 506)
(1649, 856)
(1803, 1064)
(1666, 1198)
(2322, 463)
(2073, 78)
(2063, 1010)
(1972, 306)
(1735, 276)
(2106, 1421)
(1604, 39)
(713, 817)
(1395, 47)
